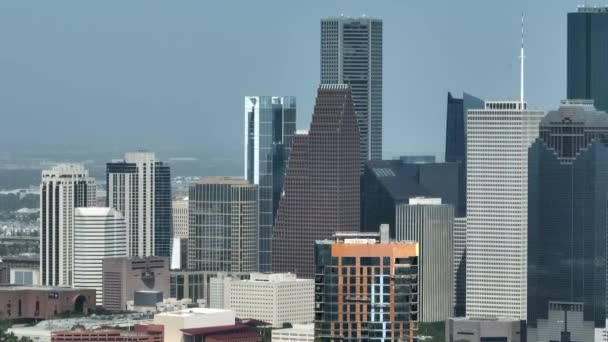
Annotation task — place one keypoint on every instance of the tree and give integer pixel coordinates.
(5, 336)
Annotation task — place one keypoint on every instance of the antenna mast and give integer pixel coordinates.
(521, 67)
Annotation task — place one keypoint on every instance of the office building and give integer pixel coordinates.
(122, 277)
(181, 219)
(431, 224)
(459, 250)
(387, 183)
(43, 302)
(498, 138)
(322, 184)
(270, 123)
(98, 233)
(20, 270)
(587, 65)
(380, 300)
(202, 287)
(456, 139)
(351, 53)
(417, 159)
(274, 298)
(223, 225)
(297, 333)
(568, 191)
(563, 321)
(139, 186)
(464, 329)
(64, 188)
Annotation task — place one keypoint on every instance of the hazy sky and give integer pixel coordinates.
(171, 75)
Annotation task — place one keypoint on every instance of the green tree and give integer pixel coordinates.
(5, 336)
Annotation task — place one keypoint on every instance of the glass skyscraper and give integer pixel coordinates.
(568, 196)
(351, 53)
(588, 55)
(270, 122)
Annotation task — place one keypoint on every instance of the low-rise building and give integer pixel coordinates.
(297, 333)
(273, 298)
(43, 302)
(465, 329)
(20, 270)
(122, 277)
(196, 318)
(140, 333)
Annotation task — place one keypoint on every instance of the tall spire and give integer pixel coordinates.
(521, 57)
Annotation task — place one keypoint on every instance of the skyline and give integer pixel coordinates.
(166, 70)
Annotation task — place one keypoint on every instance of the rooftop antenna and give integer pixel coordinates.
(521, 67)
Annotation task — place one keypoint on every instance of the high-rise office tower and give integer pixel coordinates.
(322, 183)
(498, 138)
(270, 122)
(181, 219)
(98, 233)
(223, 225)
(587, 61)
(459, 249)
(366, 288)
(431, 224)
(139, 187)
(568, 167)
(64, 188)
(351, 53)
(456, 139)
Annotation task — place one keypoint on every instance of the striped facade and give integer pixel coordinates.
(498, 138)
(223, 225)
(460, 266)
(431, 224)
(98, 233)
(63, 188)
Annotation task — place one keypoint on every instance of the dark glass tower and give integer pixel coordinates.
(163, 211)
(588, 55)
(322, 184)
(568, 187)
(270, 122)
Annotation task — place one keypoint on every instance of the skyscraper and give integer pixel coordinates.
(181, 219)
(431, 224)
(351, 53)
(270, 122)
(456, 139)
(321, 192)
(568, 166)
(587, 62)
(98, 233)
(498, 138)
(223, 225)
(366, 289)
(139, 187)
(64, 187)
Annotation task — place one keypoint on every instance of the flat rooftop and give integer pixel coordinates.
(193, 312)
(39, 288)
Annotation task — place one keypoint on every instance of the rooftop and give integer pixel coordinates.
(224, 180)
(193, 312)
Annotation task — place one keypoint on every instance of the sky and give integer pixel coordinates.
(171, 75)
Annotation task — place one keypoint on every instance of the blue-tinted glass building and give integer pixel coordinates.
(270, 122)
(567, 213)
(163, 212)
(588, 55)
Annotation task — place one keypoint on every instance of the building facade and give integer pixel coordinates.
(223, 225)
(270, 123)
(98, 233)
(181, 219)
(460, 266)
(365, 289)
(431, 224)
(122, 277)
(297, 333)
(498, 138)
(568, 191)
(64, 188)
(43, 302)
(587, 65)
(322, 185)
(20, 270)
(139, 187)
(466, 329)
(387, 183)
(563, 321)
(140, 333)
(274, 298)
(351, 53)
